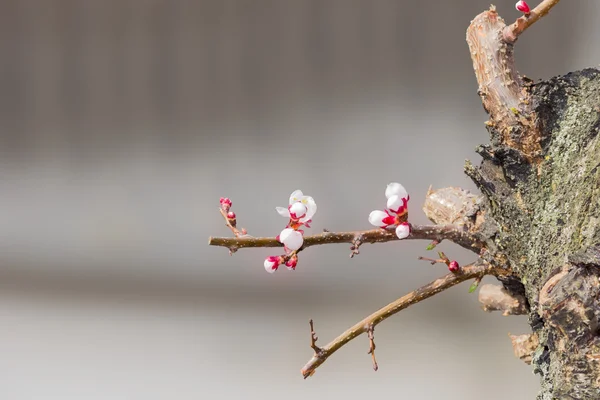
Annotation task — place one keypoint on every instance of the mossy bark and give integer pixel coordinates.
(546, 213)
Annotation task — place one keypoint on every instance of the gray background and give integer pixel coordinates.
(123, 121)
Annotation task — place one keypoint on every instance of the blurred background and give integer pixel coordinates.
(122, 122)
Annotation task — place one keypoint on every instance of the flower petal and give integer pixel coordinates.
(376, 218)
(295, 196)
(297, 210)
(403, 230)
(395, 204)
(397, 189)
(311, 208)
(291, 239)
(283, 211)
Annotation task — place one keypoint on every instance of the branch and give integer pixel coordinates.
(511, 33)
(504, 93)
(368, 324)
(429, 232)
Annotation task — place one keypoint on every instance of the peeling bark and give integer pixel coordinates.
(524, 346)
(497, 298)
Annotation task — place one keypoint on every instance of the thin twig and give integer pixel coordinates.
(442, 260)
(371, 334)
(511, 33)
(314, 338)
(231, 224)
(453, 233)
(466, 273)
(313, 344)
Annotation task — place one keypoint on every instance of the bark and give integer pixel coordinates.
(546, 210)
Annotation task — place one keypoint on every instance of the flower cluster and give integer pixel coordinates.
(300, 211)
(396, 213)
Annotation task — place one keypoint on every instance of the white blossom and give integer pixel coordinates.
(298, 197)
(403, 230)
(396, 189)
(291, 239)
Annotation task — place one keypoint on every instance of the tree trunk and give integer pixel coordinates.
(547, 214)
(541, 178)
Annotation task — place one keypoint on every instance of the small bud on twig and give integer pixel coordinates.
(523, 7)
(475, 285)
(272, 263)
(230, 220)
(225, 203)
(453, 266)
(292, 262)
(432, 245)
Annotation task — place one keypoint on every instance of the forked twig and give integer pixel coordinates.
(368, 324)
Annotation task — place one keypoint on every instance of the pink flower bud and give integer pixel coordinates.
(291, 263)
(225, 203)
(523, 7)
(297, 210)
(231, 215)
(272, 263)
(453, 266)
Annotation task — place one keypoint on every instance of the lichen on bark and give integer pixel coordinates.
(564, 195)
(552, 211)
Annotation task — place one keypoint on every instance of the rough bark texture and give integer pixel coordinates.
(547, 216)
